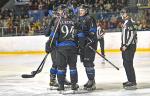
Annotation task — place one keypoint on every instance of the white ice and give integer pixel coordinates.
(108, 79)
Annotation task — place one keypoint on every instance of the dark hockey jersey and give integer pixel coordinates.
(86, 25)
(65, 33)
(87, 29)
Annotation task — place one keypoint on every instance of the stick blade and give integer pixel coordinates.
(36, 72)
(27, 76)
(117, 68)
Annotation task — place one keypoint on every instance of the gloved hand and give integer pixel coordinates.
(92, 37)
(48, 48)
(89, 42)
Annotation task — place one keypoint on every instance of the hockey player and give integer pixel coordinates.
(52, 49)
(100, 37)
(66, 51)
(128, 48)
(86, 33)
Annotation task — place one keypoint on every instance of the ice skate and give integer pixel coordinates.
(53, 83)
(90, 85)
(74, 87)
(61, 89)
(130, 85)
(74, 90)
(124, 83)
(103, 61)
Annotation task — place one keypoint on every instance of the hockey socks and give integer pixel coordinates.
(73, 76)
(90, 71)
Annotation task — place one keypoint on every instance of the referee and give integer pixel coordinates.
(100, 37)
(128, 48)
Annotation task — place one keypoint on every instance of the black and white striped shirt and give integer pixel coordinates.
(100, 33)
(129, 35)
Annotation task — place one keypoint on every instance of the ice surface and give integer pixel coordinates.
(108, 79)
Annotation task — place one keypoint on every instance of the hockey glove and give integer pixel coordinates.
(89, 42)
(48, 48)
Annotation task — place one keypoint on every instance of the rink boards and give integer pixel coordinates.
(36, 44)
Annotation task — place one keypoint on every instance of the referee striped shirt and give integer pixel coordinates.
(100, 33)
(129, 35)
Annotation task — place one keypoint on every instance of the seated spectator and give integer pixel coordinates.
(10, 24)
(31, 31)
(144, 25)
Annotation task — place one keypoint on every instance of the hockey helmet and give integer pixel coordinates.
(61, 7)
(68, 12)
(84, 7)
(124, 13)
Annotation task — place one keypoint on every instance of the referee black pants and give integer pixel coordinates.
(128, 56)
(101, 41)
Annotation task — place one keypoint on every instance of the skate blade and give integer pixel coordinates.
(61, 92)
(55, 92)
(130, 88)
(67, 86)
(51, 91)
(90, 89)
(71, 92)
(55, 87)
(102, 62)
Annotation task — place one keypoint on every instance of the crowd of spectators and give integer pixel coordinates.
(34, 17)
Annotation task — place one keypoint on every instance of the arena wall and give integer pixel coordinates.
(36, 44)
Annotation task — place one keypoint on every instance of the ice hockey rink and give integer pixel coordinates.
(108, 79)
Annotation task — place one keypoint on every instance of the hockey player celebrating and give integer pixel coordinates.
(87, 37)
(66, 50)
(52, 48)
(128, 48)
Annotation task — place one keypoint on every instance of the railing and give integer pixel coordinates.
(25, 26)
(21, 2)
(17, 31)
(4, 31)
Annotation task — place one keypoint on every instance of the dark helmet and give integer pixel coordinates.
(84, 7)
(125, 13)
(61, 7)
(68, 12)
(124, 10)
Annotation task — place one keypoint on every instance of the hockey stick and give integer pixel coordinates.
(43, 62)
(101, 54)
(104, 58)
(38, 70)
(55, 31)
